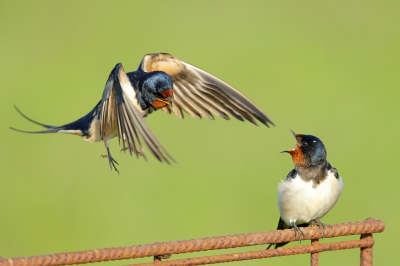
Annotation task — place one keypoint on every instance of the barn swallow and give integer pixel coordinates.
(310, 190)
(161, 82)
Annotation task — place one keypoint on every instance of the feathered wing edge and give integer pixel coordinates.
(130, 122)
(244, 106)
(199, 93)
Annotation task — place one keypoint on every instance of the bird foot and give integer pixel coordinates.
(297, 230)
(111, 161)
(320, 224)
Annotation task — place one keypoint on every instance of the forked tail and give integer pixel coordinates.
(78, 127)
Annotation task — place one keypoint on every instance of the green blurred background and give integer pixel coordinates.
(326, 68)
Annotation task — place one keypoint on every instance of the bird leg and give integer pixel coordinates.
(320, 224)
(297, 230)
(111, 160)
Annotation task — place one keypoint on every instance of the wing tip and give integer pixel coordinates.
(172, 159)
(169, 163)
(268, 123)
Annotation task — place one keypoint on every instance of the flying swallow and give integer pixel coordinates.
(310, 190)
(161, 82)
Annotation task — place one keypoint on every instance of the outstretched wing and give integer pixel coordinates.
(119, 108)
(200, 94)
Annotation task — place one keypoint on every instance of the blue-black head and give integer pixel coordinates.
(308, 151)
(156, 90)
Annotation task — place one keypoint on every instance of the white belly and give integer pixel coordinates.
(299, 202)
(94, 132)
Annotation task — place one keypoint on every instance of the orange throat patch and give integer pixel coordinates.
(297, 156)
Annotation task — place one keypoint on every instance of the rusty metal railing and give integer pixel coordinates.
(164, 250)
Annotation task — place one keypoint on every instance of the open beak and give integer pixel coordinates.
(160, 103)
(168, 95)
(168, 102)
(289, 151)
(294, 134)
(298, 137)
(164, 101)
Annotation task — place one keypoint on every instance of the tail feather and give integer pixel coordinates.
(52, 130)
(33, 121)
(280, 227)
(78, 127)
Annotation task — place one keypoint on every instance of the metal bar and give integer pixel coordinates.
(202, 244)
(363, 243)
(157, 260)
(314, 255)
(366, 252)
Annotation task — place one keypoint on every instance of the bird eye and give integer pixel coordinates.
(305, 143)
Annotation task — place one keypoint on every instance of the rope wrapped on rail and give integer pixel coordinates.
(202, 244)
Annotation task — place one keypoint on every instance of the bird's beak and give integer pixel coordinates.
(294, 134)
(168, 95)
(159, 103)
(298, 137)
(169, 103)
(292, 150)
(166, 102)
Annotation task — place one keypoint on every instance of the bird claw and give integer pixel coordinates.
(297, 230)
(111, 161)
(321, 224)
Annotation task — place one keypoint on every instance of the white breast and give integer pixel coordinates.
(300, 202)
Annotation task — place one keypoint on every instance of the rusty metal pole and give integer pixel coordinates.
(314, 255)
(366, 253)
(157, 260)
(201, 244)
(252, 255)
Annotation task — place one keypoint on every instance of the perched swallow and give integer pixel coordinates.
(310, 190)
(161, 82)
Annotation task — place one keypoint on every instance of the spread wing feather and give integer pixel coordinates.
(201, 94)
(118, 112)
